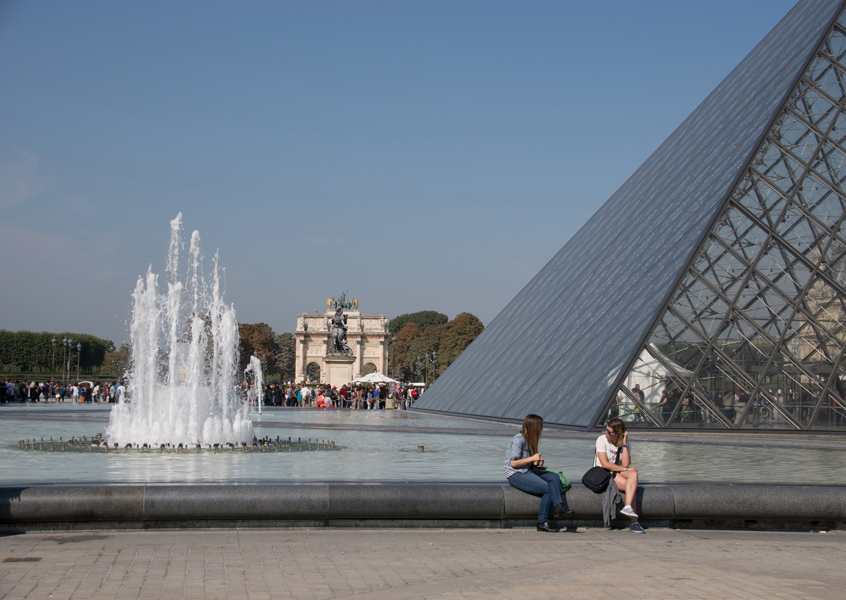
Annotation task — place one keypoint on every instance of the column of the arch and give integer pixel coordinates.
(301, 357)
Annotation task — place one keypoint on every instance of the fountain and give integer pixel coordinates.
(182, 382)
(255, 394)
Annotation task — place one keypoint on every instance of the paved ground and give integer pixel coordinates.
(404, 564)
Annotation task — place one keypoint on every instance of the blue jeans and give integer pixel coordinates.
(547, 486)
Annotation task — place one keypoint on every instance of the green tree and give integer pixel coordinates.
(115, 364)
(286, 355)
(423, 319)
(420, 351)
(403, 368)
(455, 336)
(423, 353)
(265, 327)
(257, 340)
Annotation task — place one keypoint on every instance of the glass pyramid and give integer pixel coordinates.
(709, 290)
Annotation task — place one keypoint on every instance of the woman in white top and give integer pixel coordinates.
(610, 446)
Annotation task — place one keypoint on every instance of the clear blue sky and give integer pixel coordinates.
(435, 154)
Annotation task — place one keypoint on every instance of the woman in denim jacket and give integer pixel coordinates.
(520, 456)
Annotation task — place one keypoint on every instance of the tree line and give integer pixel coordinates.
(30, 351)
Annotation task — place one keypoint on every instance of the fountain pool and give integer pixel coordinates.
(381, 446)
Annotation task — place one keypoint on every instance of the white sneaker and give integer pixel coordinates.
(627, 510)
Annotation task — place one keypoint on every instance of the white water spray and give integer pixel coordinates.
(185, 359)
(255, 394)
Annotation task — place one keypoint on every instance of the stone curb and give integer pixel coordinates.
(434, 504)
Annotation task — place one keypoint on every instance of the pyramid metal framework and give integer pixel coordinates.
(710, 290)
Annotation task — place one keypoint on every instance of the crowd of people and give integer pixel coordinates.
(361, 397)
(357, 397)
(49, 391)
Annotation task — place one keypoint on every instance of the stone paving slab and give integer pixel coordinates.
(407, 564)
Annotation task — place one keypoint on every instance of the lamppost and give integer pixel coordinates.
(78, 354)
(70, 359)
(65, 361)
(393, 368)
(434, 364)
(53, 368)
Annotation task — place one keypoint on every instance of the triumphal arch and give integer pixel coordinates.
(321, 356)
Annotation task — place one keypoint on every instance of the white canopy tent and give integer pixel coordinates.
(375, 378)
(651, 375)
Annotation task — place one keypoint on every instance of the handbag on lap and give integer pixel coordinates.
(597, 479)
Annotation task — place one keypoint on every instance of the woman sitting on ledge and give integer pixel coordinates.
(522, 454)
(613, 454)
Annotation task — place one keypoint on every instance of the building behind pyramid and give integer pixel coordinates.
(710, 290)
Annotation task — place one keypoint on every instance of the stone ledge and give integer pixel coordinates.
(413, 505)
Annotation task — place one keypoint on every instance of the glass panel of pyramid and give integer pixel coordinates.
(706, 292)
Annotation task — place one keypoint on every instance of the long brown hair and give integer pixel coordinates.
(532, 426)
(620, 427)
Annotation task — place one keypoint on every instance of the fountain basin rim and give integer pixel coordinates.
(400, 504)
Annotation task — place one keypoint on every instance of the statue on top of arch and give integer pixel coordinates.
(342, 302)
(338, 324)
(338, 334)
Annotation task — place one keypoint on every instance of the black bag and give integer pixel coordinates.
(596, 480)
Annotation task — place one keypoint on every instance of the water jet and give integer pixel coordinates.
(182, 380)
